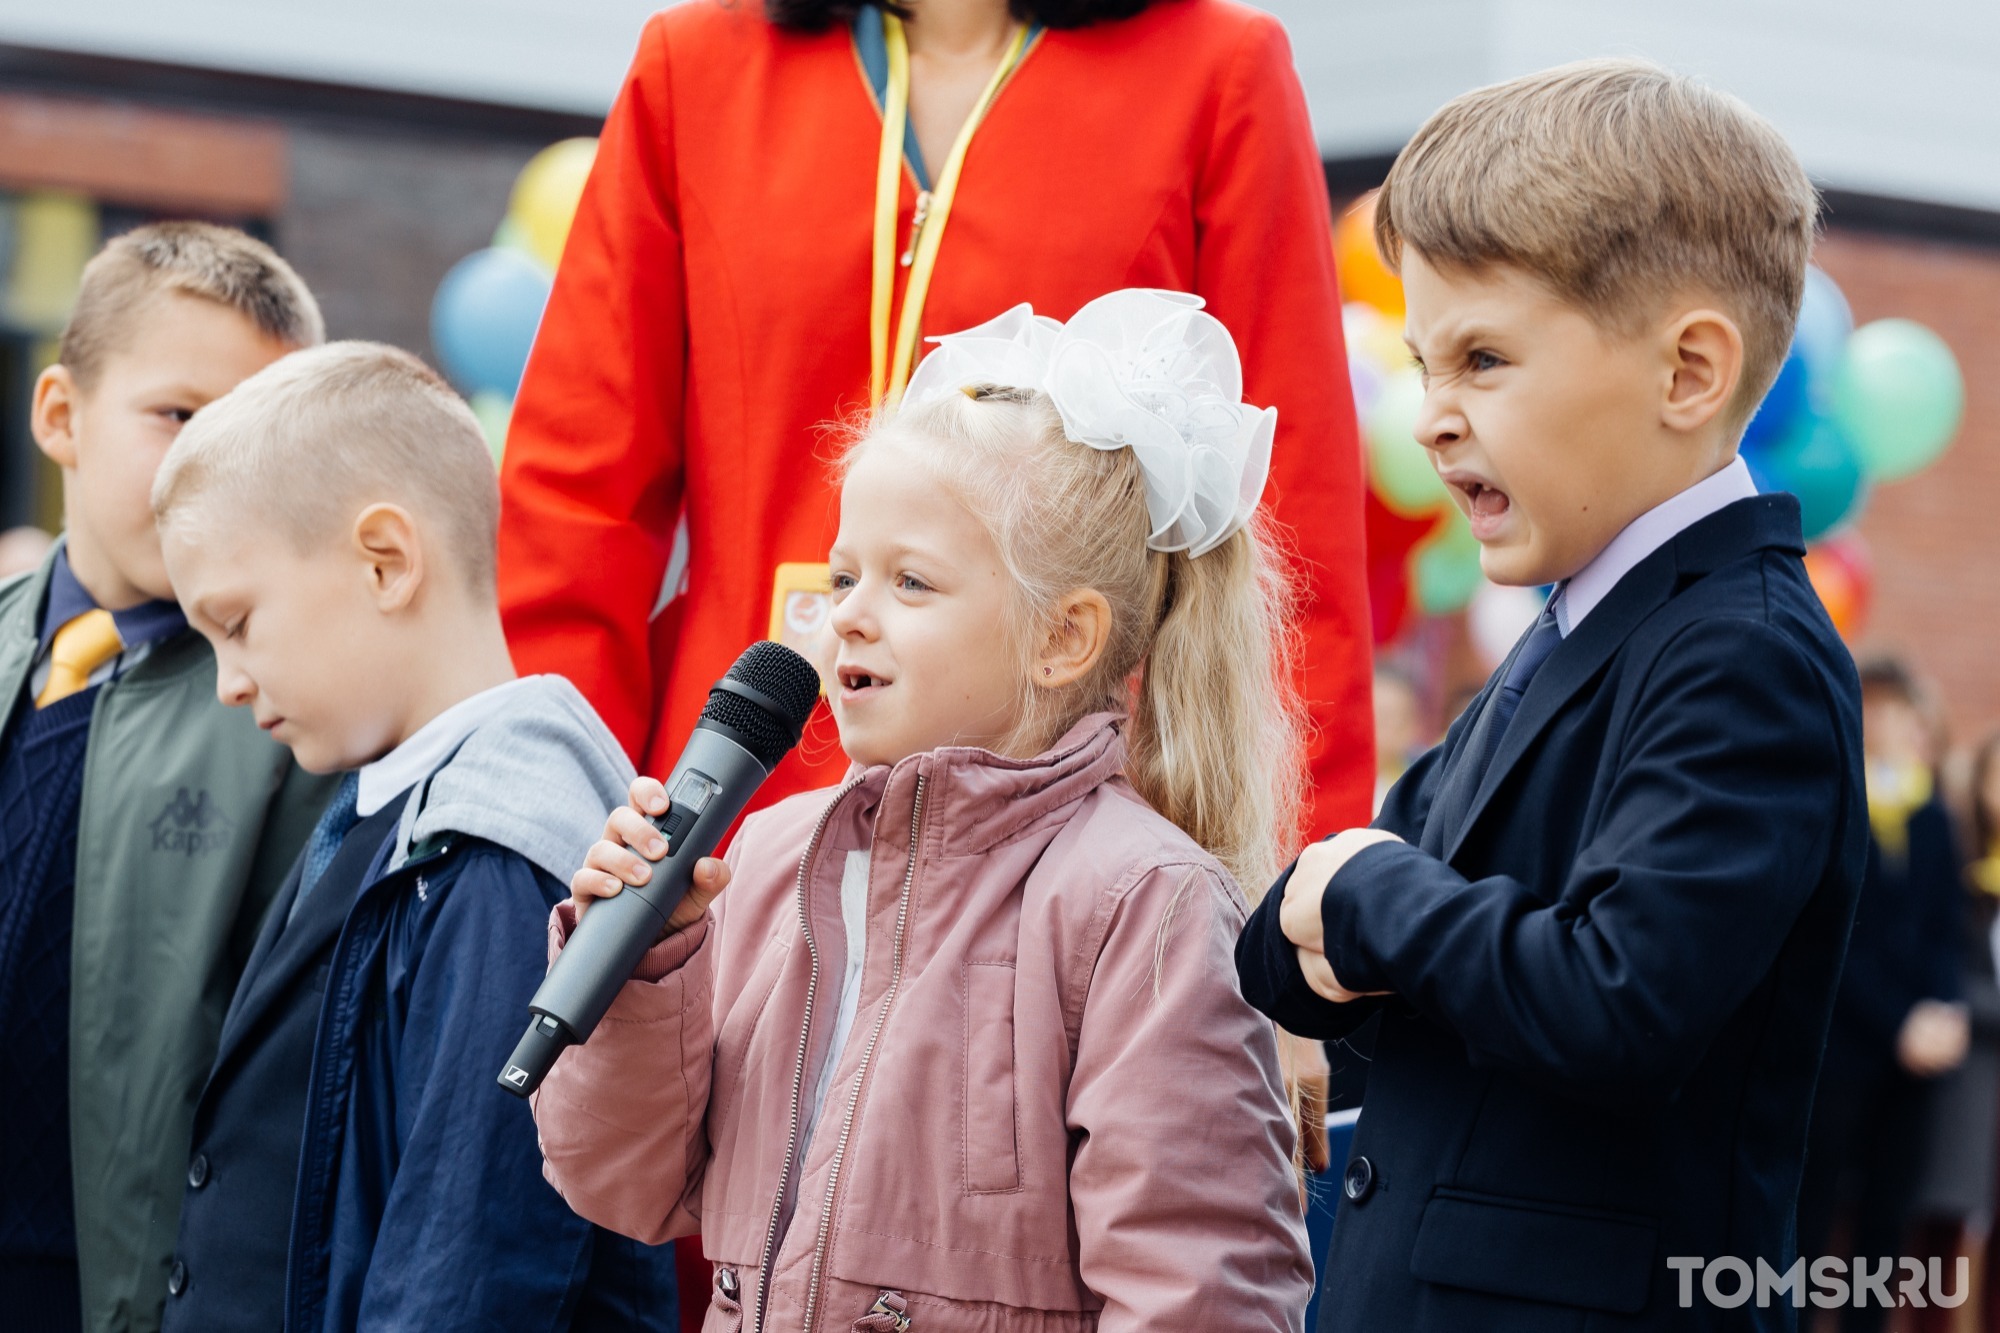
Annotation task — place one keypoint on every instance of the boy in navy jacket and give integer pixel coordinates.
(1602, 922)
(355, 1166)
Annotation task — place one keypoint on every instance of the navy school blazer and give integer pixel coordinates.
(360, 1056)
(1612, 961)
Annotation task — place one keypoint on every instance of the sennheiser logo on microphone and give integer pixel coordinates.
(516, 1076)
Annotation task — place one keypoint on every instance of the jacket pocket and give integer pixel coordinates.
(992, 1158)
(725, 1306)
(1536, 1251)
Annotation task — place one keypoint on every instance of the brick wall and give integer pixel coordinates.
(1936, 537)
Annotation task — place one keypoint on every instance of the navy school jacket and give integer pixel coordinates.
(419, 1201)
(1612, 973)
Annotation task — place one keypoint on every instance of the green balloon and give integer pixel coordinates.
(1445, 569)
(1898, 398)
(511, 235)
(1399, 466)
(493, 411)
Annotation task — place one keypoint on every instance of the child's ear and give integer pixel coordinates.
(1705, 357)
(1082, 632)
(53, 417)
(386, 539)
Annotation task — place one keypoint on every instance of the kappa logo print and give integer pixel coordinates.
(191, 826)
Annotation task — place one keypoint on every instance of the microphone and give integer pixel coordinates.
(752, 719)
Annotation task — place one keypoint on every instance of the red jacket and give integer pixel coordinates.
(711, 316)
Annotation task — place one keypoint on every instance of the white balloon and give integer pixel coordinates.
(1497, 617)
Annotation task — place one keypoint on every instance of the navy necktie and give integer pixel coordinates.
(1541, 642)
(327, 835)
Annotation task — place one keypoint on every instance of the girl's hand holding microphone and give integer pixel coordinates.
(625, 855)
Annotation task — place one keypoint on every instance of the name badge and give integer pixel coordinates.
(801, 601)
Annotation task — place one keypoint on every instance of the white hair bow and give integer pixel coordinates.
(1138, 369)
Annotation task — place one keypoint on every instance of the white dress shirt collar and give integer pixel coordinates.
(413, 760)
(1579, 596)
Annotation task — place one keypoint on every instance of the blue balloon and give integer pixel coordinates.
(1783, 410)
(484, 318)
(1824, 323)
(1818, 464)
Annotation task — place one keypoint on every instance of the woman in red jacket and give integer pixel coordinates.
(789, 196)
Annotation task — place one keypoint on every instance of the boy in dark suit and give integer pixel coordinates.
(1602, 922)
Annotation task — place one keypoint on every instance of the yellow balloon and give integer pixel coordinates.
(546, 194)
(54, 236)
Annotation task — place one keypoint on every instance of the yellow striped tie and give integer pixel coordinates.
(81, 646)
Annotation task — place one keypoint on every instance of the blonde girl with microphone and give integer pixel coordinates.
(961, 1047)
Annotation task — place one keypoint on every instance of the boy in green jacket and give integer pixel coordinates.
(144, 827)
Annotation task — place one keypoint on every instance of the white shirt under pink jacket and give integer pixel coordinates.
(1054, 1111)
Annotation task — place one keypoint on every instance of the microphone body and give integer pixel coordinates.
(716, 775)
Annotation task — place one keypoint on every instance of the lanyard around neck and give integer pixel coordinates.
(886, 378)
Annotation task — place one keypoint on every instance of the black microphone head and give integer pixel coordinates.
(765, 700)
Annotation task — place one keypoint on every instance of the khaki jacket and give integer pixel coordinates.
(190, 818)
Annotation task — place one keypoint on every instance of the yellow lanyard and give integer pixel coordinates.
(885, 383)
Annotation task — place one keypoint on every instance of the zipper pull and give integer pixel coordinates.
(917, 220)
(889, 1314)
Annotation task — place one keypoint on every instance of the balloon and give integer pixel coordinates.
(1844, 577)
(1818, 465)
(1824, 323)
(1784, 407)
(1389, 599)
(511, 235)
(1363, 275)
(493, 410)
(546, 194)
(1371, 334)
(1391, 538)
(1445, 569)
(1400, 467)
(1498, 616)
(1899, 396)
(1367, 380)
(484, 318)
(54, 236)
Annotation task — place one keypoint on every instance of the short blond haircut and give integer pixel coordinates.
(219, 264)
(1620, 185)
(312, 438)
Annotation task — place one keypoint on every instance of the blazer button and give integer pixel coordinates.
(1359, 1182)
(177, 1278)
(198, 1171)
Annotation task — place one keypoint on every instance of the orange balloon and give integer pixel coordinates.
(1844, 578)
(1363, 276)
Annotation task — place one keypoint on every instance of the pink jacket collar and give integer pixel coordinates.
(980, 799)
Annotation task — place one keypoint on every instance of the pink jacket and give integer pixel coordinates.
(1054, 1111)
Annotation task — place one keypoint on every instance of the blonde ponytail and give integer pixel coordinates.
(1200, 648)
(1215, 736)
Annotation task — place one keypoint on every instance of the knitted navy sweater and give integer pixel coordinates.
(41, 785)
